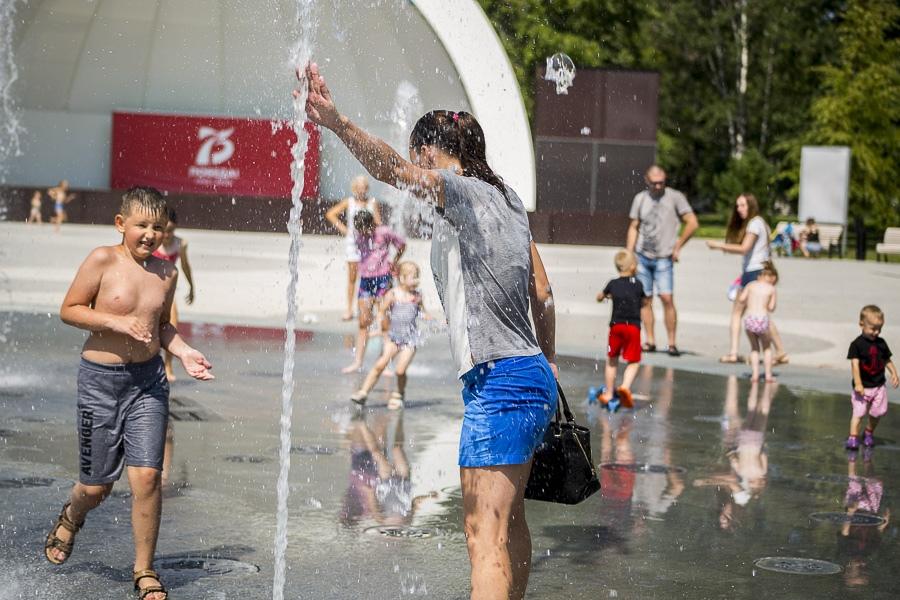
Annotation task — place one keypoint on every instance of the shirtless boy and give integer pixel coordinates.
(123, 295)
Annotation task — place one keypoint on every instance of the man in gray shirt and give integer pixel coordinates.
(656, 215)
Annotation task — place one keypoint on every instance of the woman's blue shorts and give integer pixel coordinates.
(509, 404)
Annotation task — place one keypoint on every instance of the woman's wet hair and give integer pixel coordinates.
(737, 226)
(460, 135)
(363, 220)
(145, 199)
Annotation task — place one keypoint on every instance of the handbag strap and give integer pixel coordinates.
(565, 405)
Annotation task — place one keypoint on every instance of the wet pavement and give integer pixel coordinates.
(712, 487)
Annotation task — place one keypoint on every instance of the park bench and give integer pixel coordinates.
(890, 245)
(829, 235)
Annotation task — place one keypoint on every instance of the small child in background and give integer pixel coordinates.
(375, 269)
(628, 295)
(760, 298)
(399, 311)
(172, 249)
(869, 358)
(35, 215)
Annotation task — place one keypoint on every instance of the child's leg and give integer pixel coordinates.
(390, 349)
(628, 377)
(167, 358)
(168, 452)
(873, 423)
(404, 358)
(780, 354)
(612, 365)
(82, 500)
(362, 335)
(766, 343)
(146, 507)
(754, 355)
(854, 425)
(352, 273)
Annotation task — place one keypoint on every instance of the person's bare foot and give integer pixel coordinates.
(770, 379)
(353, 368)
(754, 378)
(347, 316)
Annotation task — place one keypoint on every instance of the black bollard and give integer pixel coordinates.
(860, 230)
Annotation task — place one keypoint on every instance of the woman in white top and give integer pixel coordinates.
(748, 235)
(348, 207)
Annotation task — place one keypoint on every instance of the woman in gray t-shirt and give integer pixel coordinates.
(747, 235)
(487, 272)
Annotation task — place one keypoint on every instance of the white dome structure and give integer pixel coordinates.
(80, 60)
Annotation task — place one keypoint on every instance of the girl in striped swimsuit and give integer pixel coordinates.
(399, 311)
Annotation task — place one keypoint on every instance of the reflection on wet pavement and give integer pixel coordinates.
(708, 485)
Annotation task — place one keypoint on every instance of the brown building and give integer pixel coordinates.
(592, 148)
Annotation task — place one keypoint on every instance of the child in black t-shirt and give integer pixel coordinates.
(628, 296)
(869, 358)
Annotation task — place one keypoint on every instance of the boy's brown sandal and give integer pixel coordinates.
(54, 543)
(150, 589)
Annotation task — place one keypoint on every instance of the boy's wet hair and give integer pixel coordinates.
(363, 220)
(144, 199)
(871, 311)
(406, 266)
(625, 260)
(460, 135)
(173, 216)
(769, 267)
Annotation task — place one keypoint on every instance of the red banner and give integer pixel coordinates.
(209, 155)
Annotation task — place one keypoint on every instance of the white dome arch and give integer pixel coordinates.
(79, 60)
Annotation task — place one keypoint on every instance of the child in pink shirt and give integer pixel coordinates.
(375, 269)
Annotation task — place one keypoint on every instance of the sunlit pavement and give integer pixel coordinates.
(241, 278)
(706, 477)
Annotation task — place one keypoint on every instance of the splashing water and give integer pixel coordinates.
(407, 215)
(561, 70)
(10, 125)
(300, 57)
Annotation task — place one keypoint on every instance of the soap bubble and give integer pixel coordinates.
(560, 69)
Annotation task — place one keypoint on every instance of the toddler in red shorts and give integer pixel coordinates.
(628, 295)
(869, 358)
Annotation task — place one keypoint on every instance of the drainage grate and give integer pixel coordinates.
(315, 449)
(841, 518)
(15, 483)
(798, 566)
(186, 410)
(400, 532)
(245, 458)
(8, 394)
(5, 433)
(643, 468)
(204, 566)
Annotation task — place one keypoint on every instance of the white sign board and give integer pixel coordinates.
(824, 184)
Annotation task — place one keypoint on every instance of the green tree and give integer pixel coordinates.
(594, 33)
(860, 107)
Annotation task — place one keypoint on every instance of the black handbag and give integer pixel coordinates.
(562, 470)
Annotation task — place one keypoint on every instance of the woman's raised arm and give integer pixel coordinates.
(379, 159)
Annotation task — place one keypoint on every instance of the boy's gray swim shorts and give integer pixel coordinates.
(122, 415)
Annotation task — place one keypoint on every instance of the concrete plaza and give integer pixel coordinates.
(241, 279)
